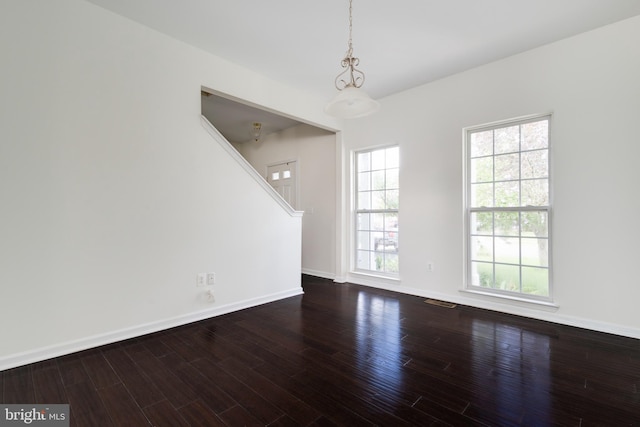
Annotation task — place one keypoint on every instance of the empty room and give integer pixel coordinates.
(211, 217)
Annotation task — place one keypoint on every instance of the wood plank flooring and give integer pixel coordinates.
(350, 356)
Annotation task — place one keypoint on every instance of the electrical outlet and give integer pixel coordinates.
(201, 280)
(430, 267)
(211, 279)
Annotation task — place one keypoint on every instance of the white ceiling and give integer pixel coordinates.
(401, 44)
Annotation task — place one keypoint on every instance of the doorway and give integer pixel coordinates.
(283, 178)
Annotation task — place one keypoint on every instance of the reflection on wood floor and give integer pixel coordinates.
(346, 355)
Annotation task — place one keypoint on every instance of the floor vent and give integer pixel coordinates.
(440, 303)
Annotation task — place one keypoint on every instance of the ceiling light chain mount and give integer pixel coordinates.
(351, 101)
(256, 131)
(356, 77)
(349, 63)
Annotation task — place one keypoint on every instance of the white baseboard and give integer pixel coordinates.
(316, 273)
(533, 311)
(44, 353)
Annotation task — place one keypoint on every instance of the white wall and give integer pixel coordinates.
(314, 151)
(113, 195)
(590, 83)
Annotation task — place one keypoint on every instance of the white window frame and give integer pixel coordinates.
(469, 210)
(357, 210)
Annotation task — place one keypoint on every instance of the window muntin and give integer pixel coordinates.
(508, 206)
(376, 217)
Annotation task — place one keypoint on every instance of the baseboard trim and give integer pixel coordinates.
(317, 273)
(547, 314)
(57, 350)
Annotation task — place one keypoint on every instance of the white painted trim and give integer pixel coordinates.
(342, 215)
(316, 273)
(44, 353)
(366, 278)
(522, 309)
(217, 136)
(510, 297)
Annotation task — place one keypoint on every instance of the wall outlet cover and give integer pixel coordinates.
(201, 280)
(211, 279)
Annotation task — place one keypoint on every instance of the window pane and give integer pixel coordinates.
(507, 224)
(363, 259)
(393, 180)
(364, 220)
(392, 199)
(507, 139)
(363, 240)
(482, 249)
(535, 281)
(535, 252)
(481, 144)
(507, 194)
(377, 262)
(377, 221)
(364, 162)
(534, 224)
(482, 223)
(385, 245)
(391, 222)
(535, 135)
(481, 195)
(508, 277)
(535, 192)
(388, 242)
(507, 167)
(507, 250)
(364, 200)
(376, 241)
(535, 164)
(377, 180)
(377, 200)
(482, 169)
(391, 263)
(482, 274)
(377, 160)
(364, 181)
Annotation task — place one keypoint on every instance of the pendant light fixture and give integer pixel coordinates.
(351, 101)
(256, 131)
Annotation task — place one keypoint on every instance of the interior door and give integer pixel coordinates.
(282, 177)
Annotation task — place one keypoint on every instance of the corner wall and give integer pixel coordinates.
(113, 195)
(590, 84)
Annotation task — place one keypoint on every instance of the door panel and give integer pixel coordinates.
(282, 178)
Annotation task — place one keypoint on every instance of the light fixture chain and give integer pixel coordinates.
(354, 76)
(350, 25)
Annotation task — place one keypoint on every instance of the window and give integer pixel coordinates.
(377, 190)
(508, 208)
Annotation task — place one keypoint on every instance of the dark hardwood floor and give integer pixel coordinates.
(346, 355)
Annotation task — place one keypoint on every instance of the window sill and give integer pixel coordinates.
(367, 274)
(538, 303)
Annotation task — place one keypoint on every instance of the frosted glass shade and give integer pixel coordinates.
(350, 103)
